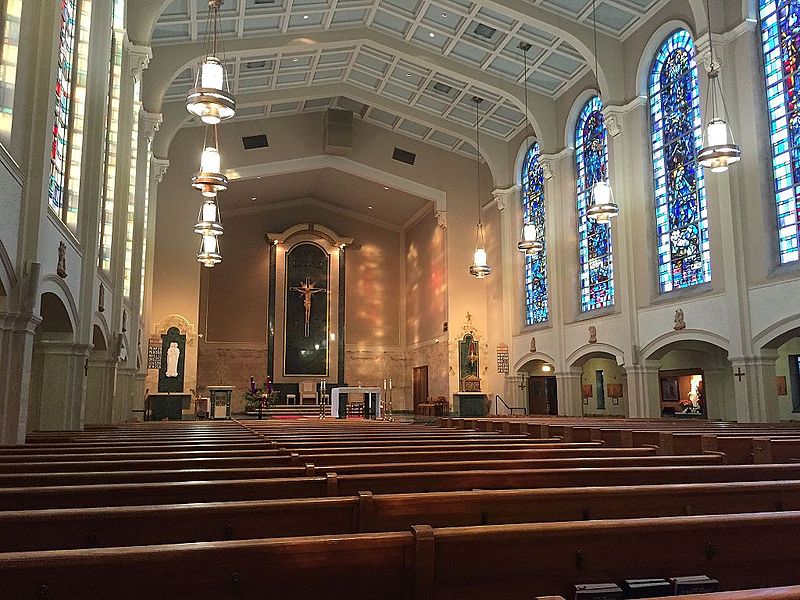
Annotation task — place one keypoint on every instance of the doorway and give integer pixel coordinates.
(542, 395)
(419, 385)
(683, 393)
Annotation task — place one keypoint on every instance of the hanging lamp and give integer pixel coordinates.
(601, 207)
(208, 222)
(210, 179)
(529, 242)
(720, 149)
(209, 254)
(479, 268)
(210, 98)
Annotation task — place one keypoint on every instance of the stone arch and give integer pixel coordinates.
(597, 350)
(101, 324)
(8, 279)
(51, 284)
(650, 49)
(531, 357)
(657, 348)
(777, 334)
(55, 315)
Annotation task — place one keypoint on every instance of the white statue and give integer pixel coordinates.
(173, 353)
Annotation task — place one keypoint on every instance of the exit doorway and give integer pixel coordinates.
(542, 395)
(419, 386)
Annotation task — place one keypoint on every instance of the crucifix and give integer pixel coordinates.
(306, 290)
(739, 374)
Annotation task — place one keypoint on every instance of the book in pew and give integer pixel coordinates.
(696, 584)
(646, 588)
(598, 591)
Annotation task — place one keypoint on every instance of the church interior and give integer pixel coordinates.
(414, 299)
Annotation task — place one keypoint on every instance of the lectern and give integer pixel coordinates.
(220, 401)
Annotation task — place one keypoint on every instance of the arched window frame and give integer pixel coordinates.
(533, 211)
(595, 252)
(681, 213)
(776, 18)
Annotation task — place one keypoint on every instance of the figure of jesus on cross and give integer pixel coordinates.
(306, 290)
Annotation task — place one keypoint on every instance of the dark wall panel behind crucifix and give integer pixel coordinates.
(307, 335)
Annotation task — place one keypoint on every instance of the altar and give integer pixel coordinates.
(372, 401)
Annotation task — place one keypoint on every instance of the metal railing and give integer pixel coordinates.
(511, 409)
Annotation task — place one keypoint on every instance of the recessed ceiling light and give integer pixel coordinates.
(444, 15)
(253, 198)
(305, 16)
(386, 188)
(259, 177)
(295, 59)
(431, 34)
(408, 74)
(369, 207)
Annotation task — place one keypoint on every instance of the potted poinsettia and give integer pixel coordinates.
(256, 398)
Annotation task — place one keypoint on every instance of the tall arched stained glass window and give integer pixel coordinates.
(63, 105)
(684, 256)
(594, 239)
(533, 212)
(780, 40)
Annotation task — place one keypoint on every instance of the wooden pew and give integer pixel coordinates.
(502, 562)
(173, 523)
(333, 484)
(773, 593)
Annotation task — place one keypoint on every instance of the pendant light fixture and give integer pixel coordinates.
(529, 243)
(209, 250)
(720, 150)
(210, 179)
(210, 98)
(479, 268)
(602, 207)
(208, 222)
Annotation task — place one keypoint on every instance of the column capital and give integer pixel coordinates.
(158, 168)
(151, 122)
(138, 56)
(501, 196)
(615, 114)
(441, 218)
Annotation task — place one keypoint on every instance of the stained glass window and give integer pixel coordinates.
(533, 212)
(63, 104)
(780, 40)
(129, 223)
(684, 257)
(8, 66)
(594, 239)
(112, 131)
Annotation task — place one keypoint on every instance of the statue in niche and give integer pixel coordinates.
(173, 354)
(533, 344)
(101, 299)
(592, 334)
(680, 323)
(61, 268)
(124, 321)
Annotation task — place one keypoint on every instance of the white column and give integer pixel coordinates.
(568, 385)
(59, 379)
(754, 388)
(100, 387)
(644, 396)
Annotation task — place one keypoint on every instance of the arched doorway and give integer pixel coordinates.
(783, 345)
(100, 379)
(58, 368)
(695, 380)
(603, 381)
(539, 388)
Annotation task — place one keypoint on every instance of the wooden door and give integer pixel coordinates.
(419, 383)
(537, 395)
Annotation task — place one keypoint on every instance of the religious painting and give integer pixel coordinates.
(468, 357)
(780, 386)
(173, 358)
(307, 303)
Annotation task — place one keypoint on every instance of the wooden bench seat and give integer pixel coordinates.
(502, 562)
(384, 483)
(173, 523)
(166, 475)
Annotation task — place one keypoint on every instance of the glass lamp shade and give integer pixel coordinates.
(209, 180)
(528, 243)
(209, 99)
(208, 222)
(719, 152)
(209, 251)
(602, 207)
(479, 267)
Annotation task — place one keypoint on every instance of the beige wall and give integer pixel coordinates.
(426, 280)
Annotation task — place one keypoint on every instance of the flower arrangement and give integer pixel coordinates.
(260, 397)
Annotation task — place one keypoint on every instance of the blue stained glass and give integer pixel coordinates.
(594, 239)
(536, 310)
(684, 256)
(780, 41)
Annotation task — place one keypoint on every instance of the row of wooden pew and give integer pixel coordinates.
(322, 509)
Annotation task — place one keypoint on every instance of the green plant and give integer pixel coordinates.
(253, 399)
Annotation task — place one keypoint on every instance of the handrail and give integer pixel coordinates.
(511, 409)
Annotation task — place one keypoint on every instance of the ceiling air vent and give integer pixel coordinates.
(255, 64)
(251, 142)
(442, 87)
(404, 156)
(485, 31)
(263, 2)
